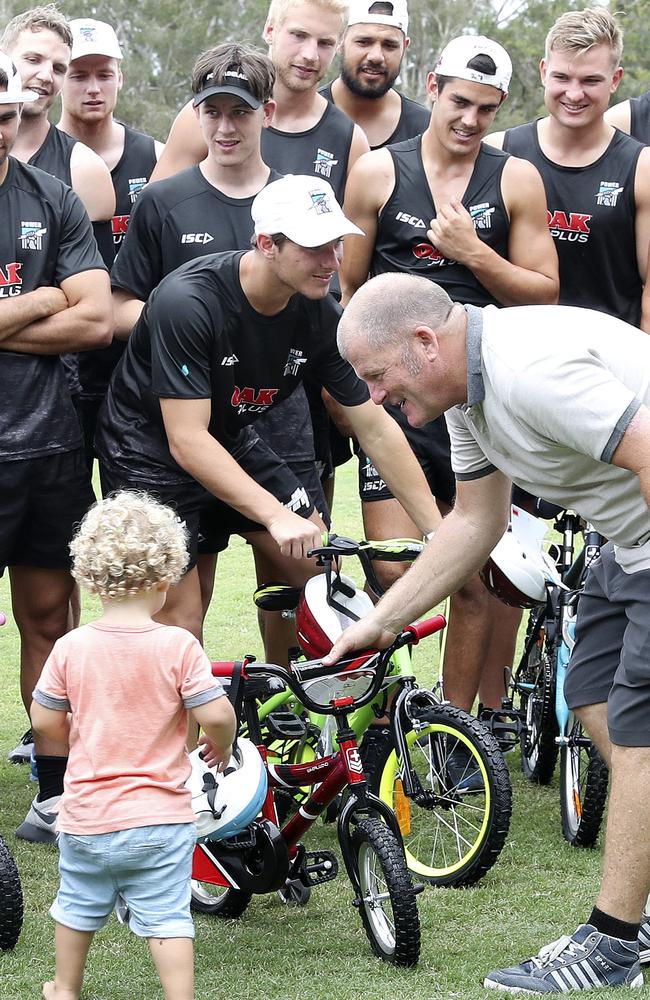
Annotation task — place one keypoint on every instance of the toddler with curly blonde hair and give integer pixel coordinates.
(116, 692)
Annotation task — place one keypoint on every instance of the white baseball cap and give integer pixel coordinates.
(460, 51)
(304, 209)
(361, 12)
(93, 38)
(14, 94)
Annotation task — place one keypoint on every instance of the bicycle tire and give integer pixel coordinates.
(388, 903)
(11, 900)
(218, 901)
(584, 778)
(456, 837)
(539, 751)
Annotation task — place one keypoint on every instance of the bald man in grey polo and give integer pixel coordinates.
(551, 391)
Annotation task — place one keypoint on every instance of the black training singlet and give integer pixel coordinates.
(413, 119)
(591, 215)
(130, 174)
(45, 237)
(640, 118)
(54, 155)
(401, 243)
(324, 149)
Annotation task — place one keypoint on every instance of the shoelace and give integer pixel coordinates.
(550, 952)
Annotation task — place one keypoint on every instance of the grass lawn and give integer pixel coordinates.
(539, 889)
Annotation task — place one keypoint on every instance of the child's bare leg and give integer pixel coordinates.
(174, 961)
(71, 953)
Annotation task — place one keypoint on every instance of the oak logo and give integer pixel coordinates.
(430, 254)
(249, 400)
(572, 227)
(10, 280)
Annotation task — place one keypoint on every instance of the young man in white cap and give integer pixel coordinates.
(54, 297)
(40, 43)
(222, 340)
(208, 208)
(597, 180)
(89, 96)
(445, 206)
(372, 49)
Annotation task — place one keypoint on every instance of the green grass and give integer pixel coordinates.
(539, 889)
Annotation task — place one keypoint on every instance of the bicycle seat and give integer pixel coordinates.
(277, 597)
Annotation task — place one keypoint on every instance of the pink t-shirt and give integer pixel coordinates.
(128, 689)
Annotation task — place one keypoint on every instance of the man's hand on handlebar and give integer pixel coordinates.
(365, 634)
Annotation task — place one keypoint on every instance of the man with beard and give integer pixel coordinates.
(372, 51)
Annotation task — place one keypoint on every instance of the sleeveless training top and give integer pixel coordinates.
(54, 155)
(402, 244)
(413, 119)
(323, 150)
(640, 118)
(591, 215)
(130, 174)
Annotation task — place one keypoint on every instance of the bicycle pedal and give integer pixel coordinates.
(241, 841)
(506, 725)
(318, 867)
(286, 725)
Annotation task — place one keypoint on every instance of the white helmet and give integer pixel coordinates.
(318, 624)
(518, 570)
(225, 802)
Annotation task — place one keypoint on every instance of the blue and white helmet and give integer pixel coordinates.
(226, 802)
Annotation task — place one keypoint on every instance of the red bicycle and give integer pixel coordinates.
(269, 857)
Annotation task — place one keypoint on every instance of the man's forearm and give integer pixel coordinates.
(510, 284)
(457, 551)
(32, 307)
(81, 327)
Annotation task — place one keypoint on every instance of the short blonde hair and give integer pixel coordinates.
(279, 9)
(579, 30)
(47, 18)
(126, 544)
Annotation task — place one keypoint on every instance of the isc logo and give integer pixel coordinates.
(196, 238)
(412, 220)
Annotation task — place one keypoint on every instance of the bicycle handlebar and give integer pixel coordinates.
(378, 660)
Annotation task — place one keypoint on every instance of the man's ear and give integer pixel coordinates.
(426, 340)
(264, 243)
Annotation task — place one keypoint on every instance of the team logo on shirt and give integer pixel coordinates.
(135, 187)
(482, 215)
(608, 193)
(197, 238)
(10, 280)
(229, 360)
(295, 359)
(31, 235)
(249, 400)
(572, 227)
(324, 162)
(411, 220)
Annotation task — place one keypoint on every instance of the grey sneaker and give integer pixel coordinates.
(39, 825)
(23, 752)
(644, 939)
(588, 960)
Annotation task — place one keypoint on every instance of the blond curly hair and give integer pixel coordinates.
(126, 544)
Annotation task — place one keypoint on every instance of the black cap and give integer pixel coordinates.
(234, 82)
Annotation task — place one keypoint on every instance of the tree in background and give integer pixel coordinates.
(161, 39)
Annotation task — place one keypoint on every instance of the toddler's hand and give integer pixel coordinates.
(213, 755)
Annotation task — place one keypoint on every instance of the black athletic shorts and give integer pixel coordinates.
(431, 447)
(42, 500)
(610, 661)
(209, 521)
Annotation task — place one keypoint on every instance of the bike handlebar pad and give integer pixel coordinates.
(420, 630)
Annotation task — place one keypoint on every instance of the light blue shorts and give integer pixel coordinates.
(149, 865)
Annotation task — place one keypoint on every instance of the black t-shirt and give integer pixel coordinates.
(199, 338)
(176, 220)
(591, 216)
(45, 237)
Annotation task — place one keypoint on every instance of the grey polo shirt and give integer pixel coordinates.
(551, 391)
